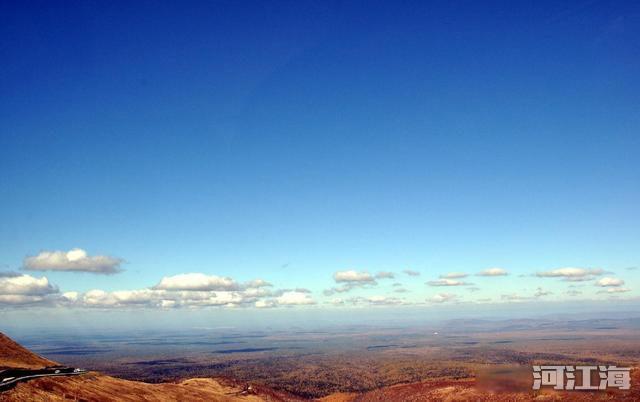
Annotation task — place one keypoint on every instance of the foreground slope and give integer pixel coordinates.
(96, 387)
(12, 355)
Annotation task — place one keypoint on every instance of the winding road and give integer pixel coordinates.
(10, 377)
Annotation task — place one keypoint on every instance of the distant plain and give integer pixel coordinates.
(358, 358)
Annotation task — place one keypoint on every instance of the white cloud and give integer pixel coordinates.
(411, 272)
(350, 279)
(191, 290)
(70, 296)
(447, 282)
(100, 298)
(21, 300)
(265, 304)
(97, 297)
(165, 304)
(160, 298)
(385, 275)
(196, 281)
(368, 301)
(442, 298)
(75, 260)
(493, 272)
(615, 290)
(26, 285)
(607, 281)
(142, 296)
(571, 274)
(353, 276)
(279, 292)
(258, 292)
(25, 290)
(215, 298)
(454, 275)
(257, 283)
(294, 298)
(340, 289)
(384, 301)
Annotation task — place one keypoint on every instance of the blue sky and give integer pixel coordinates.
(288, 141)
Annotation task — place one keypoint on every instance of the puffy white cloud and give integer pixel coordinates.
(607, 281)
(25, 290)
(70, 297)
(75, 260)
(493, 272)
(97, 297)
(350, 279)
(385, 275)
(222, 298)
(294, 298)
(100, 298)
(192, 291)
(166, 304)
(447, 282)
(454, 275)
(411, 272)
(353, 277)
(258, 292)
(209, 298)
(257, 283)
(197, 281)
(22, 300)
(571, 274)
(279, 292)
(126, 297)
(442, 298)
(160, 298)
(26, 285)
(264, 304)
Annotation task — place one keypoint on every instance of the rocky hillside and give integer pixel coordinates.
(13, 355)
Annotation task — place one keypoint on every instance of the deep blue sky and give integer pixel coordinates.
(290, 140)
